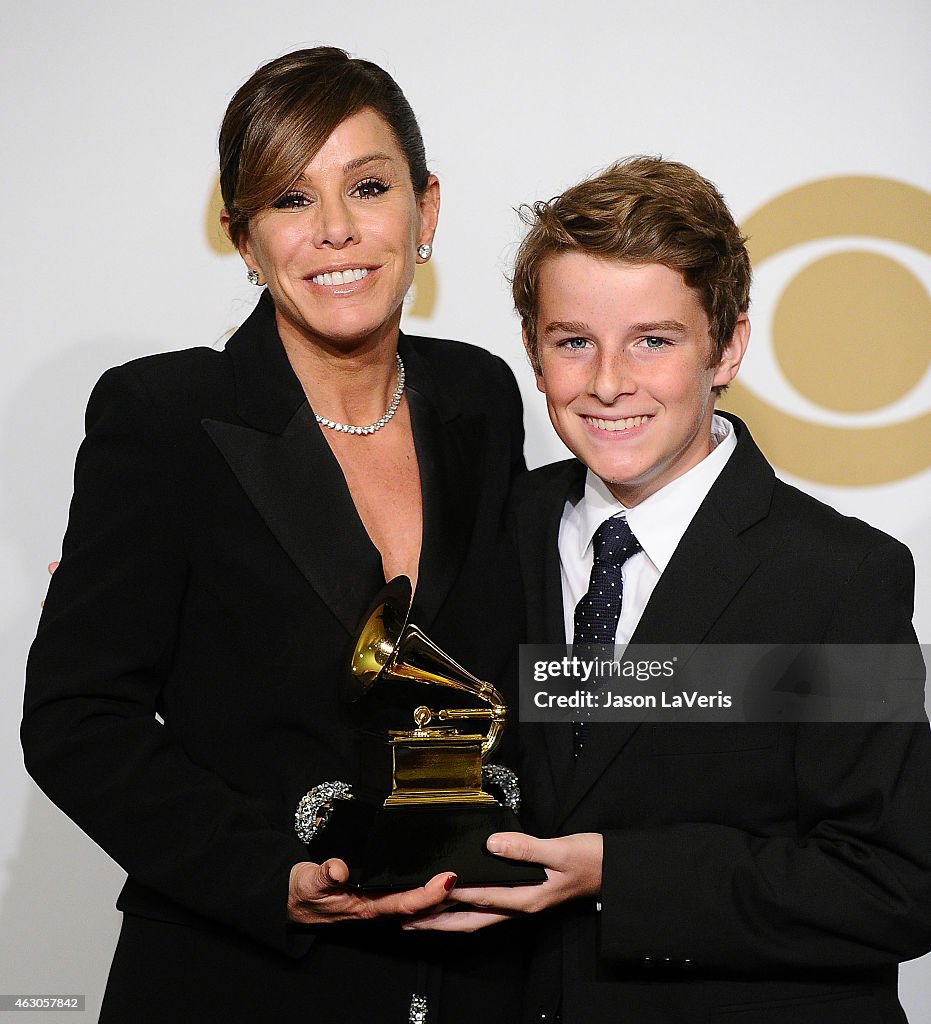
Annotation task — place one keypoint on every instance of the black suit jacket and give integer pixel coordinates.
(214, 572)
(752, 873)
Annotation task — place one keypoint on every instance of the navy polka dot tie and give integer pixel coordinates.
(597, 614)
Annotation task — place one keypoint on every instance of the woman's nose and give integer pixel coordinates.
(335, 227)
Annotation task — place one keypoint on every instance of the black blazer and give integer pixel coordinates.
(752, 873)
(214, 573)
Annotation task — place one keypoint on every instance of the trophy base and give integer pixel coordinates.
(408, 845)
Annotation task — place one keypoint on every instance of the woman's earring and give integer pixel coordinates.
(253, 276)
(425, 251)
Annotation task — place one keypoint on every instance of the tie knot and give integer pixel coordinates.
(614, 542)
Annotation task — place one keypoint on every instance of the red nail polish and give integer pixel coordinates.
(449, 883)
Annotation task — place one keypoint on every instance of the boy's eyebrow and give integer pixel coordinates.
(578, 327)
(659, 325)
(566, 327)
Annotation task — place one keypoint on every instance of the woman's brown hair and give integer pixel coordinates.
(287, 110)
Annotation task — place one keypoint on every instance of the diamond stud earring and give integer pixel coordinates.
(425, 251)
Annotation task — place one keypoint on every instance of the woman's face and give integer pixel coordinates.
(337, 251)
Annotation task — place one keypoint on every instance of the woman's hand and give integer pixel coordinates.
(318, 895)
(52, 566)
(573, 870)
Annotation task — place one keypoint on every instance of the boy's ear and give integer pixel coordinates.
(534, 361)
(732, 356)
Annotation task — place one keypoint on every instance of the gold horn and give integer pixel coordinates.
(391, 648)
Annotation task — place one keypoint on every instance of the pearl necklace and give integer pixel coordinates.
(348, 428)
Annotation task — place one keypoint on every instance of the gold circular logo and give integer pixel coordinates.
(850, 331)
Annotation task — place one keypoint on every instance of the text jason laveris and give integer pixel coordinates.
(587, 699)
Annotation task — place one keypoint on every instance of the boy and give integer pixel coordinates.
(764, 872)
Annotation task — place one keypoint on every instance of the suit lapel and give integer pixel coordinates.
(286, 468)
(298, 489)
(537, 517)
(704, 576)
(449, 454)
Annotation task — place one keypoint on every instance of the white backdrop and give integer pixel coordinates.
(109, 115)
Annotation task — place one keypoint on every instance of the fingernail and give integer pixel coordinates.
(494, 844)
(450, 882)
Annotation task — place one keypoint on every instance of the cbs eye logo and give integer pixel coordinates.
(836, 385)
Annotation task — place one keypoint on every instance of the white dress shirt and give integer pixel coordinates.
(658, 523)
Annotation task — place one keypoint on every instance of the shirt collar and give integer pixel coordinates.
(659, 521)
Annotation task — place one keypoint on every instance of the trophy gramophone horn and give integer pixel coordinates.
(391, 648)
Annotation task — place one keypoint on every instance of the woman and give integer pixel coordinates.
(234, 513)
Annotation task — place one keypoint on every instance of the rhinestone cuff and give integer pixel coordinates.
(418, 1014)
(315, 807)
(506, 781)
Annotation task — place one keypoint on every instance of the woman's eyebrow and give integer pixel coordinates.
(353, 165)
(361, 161)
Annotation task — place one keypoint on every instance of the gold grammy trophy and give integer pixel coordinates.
(434, 814)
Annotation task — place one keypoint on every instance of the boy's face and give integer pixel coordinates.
(624, 355)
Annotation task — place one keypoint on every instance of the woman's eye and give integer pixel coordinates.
(370, 188)
(291, 201)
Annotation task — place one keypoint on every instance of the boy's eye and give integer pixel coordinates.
(291, 200)
(370, 188)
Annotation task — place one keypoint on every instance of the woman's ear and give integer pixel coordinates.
(224, 222)
(242, 246)
(428, 206)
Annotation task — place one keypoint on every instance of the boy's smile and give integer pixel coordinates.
(624, 353)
